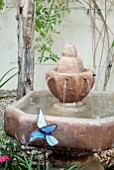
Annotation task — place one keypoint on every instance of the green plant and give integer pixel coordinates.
(1, 4)
(98, 13)
(24, 161)
(48, 15)
(102, 37)
(72, 166)
(27, 162)
(3, 82)
(19, 159)
(10, 147)
(106, 167)
(109, 166)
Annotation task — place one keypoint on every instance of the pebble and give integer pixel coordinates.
(8, 100)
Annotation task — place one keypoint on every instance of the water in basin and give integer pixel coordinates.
(97, 105)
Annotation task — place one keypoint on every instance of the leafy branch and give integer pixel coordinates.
(103, 36)
(48, 15)
(1, 4)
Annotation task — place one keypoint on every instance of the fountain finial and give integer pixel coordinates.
(70, 62)
(69, 51)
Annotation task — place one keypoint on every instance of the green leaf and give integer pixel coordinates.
(72, 166)
(88, 10)
(4, 97)
(47, 18)
(20, 159)
(113, 43)
(6, 73)
(99, 11)
(1, 4)
(1, 85)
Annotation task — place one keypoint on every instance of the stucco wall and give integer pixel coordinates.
(8, 42)
(76, 28)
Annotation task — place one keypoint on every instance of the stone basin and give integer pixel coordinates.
(70, 87)
(91, 129)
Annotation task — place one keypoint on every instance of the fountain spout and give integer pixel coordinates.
(70, 69)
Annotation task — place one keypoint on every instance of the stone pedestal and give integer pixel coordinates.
(88, 162)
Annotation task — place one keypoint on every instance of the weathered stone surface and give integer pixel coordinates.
(70, 62)
(73, 133)
(88, 162)
(71, 87)
(70, 81)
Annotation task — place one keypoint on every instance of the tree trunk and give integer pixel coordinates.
(25, 16)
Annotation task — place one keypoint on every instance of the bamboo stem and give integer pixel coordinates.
(103, 39)
(94, 35)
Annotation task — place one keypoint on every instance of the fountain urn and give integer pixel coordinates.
(70, 82)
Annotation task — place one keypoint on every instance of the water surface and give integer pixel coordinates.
(96, 105)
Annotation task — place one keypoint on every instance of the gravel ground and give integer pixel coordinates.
(11, 98)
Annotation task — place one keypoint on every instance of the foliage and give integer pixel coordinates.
(9, 147)
(1, 4)
(3, 82)
(24, 162)
(105, 166)
(102, 36)
(48, 15)
(72, 166)
(109, 166)
(19, 159)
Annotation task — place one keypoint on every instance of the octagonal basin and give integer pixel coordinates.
(91, 129)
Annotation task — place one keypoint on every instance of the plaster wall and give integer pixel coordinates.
(76, 28)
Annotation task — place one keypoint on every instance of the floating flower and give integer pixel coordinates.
(4, 158)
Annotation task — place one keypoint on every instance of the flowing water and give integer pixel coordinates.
(91, 101)
(64, 90)
(46, 102)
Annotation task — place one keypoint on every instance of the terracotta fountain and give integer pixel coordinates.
(85, 123)
(70, 82)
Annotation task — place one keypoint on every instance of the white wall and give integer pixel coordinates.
(76, 28)
(8, 43)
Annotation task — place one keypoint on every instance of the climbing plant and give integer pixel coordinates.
(49, 14)
(98, 12)
(1, 4)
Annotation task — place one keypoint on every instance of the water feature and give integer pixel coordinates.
(70, 69)
(47, 102)
(91, 101)
(83, 119)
